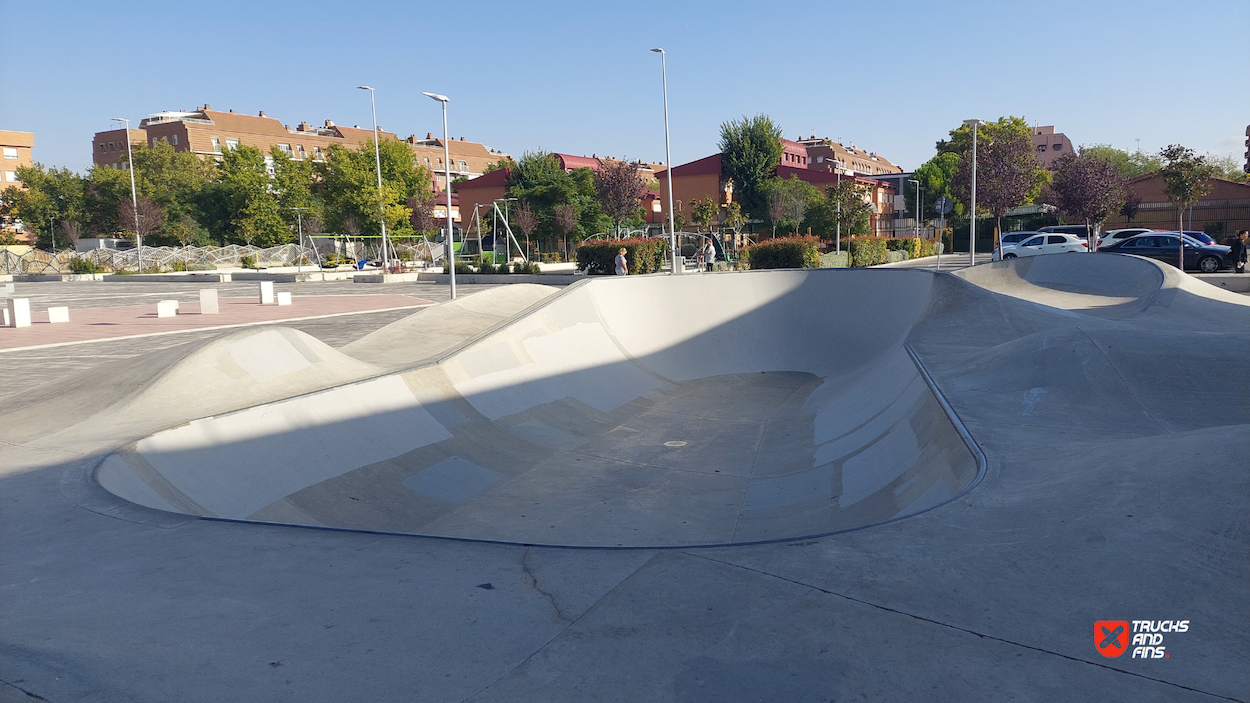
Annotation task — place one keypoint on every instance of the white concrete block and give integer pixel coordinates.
(58, 314)
(4, 317)
(19, 312)
(167, 308)
(6, 290)
(284, 298)
(208, 301)
(266, 292)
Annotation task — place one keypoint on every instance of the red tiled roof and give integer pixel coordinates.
(488, 180)
(824, 178)
(569, 162)
(705, 165)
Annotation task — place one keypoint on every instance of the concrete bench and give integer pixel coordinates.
(167, 308)
(266, 292)
(284, 298)
(208, 301)
(58, 314)
(17, 312)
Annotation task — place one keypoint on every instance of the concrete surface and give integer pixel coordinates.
(1115, 488)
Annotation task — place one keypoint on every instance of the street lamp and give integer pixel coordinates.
(451, 239)
(377, 155)
(299, 218)
(917, 227)
(134, 199)
(972, 228)
(668, 159)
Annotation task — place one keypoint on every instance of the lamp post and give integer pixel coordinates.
(972, 228)
(299, 218)
(451, 238)
(668, 159)
(917, 227)
(377, 155)
(134, 198)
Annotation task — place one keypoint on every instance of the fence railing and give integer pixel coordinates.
(36, 261)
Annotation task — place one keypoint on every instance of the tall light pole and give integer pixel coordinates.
(377, 155)
(668, 159)
(299, 218)
(451, 239)
(917, 227)
(972, 228)
(134, 198)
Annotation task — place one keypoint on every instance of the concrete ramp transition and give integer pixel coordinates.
(633, 412)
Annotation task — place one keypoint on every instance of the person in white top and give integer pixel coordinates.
(709, 254)
(622, 264)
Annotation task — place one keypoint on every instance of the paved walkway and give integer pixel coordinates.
(122, 322)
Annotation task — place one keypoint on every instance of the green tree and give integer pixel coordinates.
(705, 213)
(788, 202)
(50, 196)
(1128, 164)
(292, 184)
(537, 179)
(104, 191)
(348, 188)
(845, 203)
(1087, 188)
(173, 180)
(1186, 178)
(936, 176)
(750, 149)
(255, 217)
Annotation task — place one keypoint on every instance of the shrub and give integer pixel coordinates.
(461, 267)
(486, 266)
(247, 262)
(643, 254)
(835, 260)
(525, 267)
(783, 253)
(866, 250)
(84, 266)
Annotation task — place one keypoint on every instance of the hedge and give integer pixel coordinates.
(915, 247)
(866, 250)
(642, 254)
(782, 253)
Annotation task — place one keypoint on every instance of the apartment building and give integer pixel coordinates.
(824, 154)
(1050, 145)
(14, 153)
(207, 132)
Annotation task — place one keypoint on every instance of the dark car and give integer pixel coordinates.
(1201, 236)
(1207, 258)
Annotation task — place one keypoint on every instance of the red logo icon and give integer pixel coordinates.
(1111, 637)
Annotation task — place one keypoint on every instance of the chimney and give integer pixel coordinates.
(304, 126)
(429, 135)
(207, 106)
(232, 110)
(329, 123)
(262, 113)
(462, 139)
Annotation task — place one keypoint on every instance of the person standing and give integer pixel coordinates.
(1239, 248)
(709, 254)
(622, 264)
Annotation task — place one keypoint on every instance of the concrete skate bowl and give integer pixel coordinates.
(632, 412)
(1103, 285)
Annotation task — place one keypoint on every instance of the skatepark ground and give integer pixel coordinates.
(788, 485)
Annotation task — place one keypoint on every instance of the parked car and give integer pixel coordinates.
(1075, 230)
(1011, 238)
(1202, 237)
(1115, 235)
(1043, 244)
(1199, 255)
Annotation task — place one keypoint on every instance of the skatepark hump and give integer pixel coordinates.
(637, 412)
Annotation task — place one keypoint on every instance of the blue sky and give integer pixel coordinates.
(577, 77)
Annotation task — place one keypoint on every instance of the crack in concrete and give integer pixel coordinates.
(29, 694)
(532, 581)
(965, 630)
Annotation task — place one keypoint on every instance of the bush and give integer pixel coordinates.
(783, 253)
(486, 266)
(866, 250)
(461, 267)
(84, 266)
(247, 262)
(643, 254)
(525, 267)
(835, 260)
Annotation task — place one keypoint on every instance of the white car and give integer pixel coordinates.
(1115, 235)
(1049, 243)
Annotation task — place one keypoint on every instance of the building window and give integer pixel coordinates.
(1057, 147)
(102, 147)
(216, 144)
(317, 153)
(427, 162)
(10, 152)
(464, 166)
(11, 176)
(111, 147)
(232, 143)
(286, 148)
(175, 139)
(302, 154)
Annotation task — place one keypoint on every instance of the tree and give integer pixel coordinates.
(566, 222)
(71, 231)
(50, 195)
(348, 187)
(1007, 173)
(788, 201)
(1131, 202)
(1227, 168)
(750, 149)
(526, 221)
(537, 179)
(705, 213)
(1128, 164)
(936, 177)
(151, 217)
(254, 216)
(173, 180)
(422, 214)
(1086, 187)
(1186, 178)
(844, 204)
(620, 191)
(734, 219)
